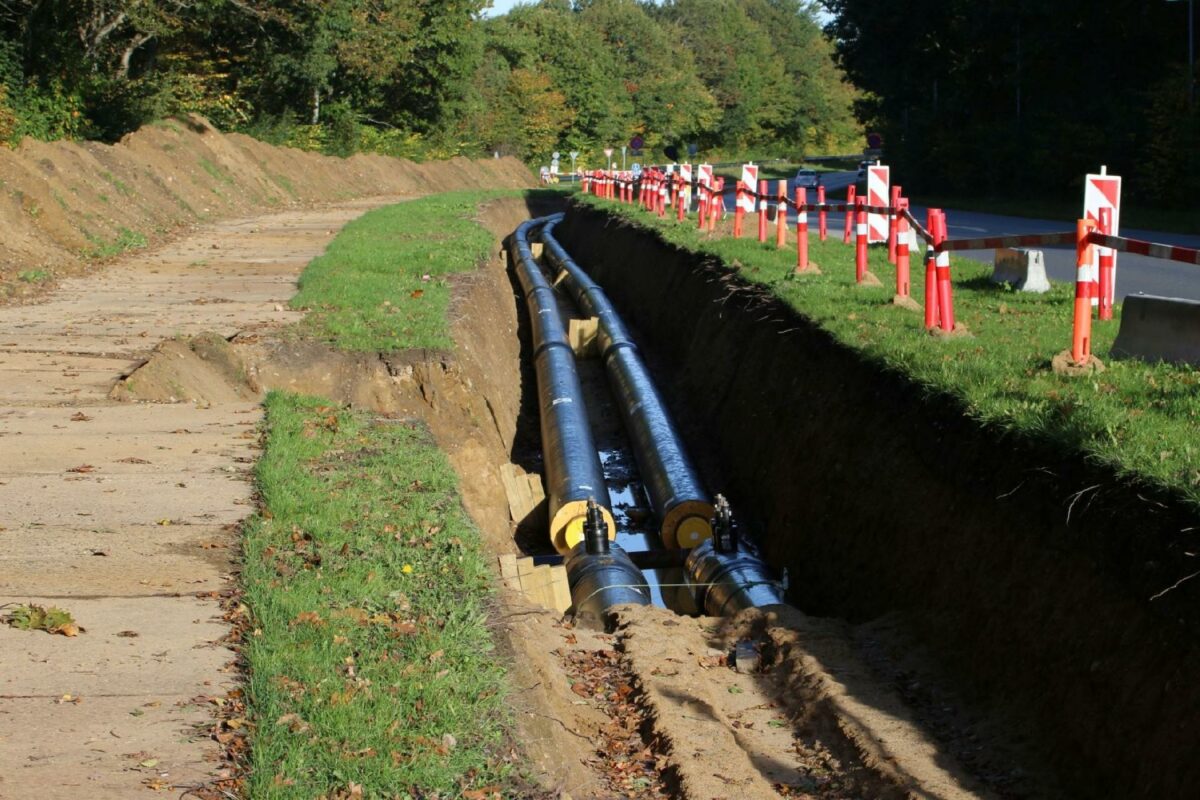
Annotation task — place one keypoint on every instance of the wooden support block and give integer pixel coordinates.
(508, 572)
(523, 490)
(543, 589)
(561, 590)
(581, 334)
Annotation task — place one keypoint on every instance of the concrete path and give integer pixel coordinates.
(126, 515)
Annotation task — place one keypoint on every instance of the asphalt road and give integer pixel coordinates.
(1135, 274)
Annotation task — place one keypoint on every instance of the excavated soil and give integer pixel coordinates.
(66, 206)
(1010, 594)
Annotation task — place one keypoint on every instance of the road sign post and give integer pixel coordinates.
(1103, 192)
(878, 178)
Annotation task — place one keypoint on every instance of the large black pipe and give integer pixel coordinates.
(571, 461)
(676, 493)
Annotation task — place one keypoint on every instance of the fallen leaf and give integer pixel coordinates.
(83, 468)
(417, 293)
(132, 460)
(148, 763)
(79, 416)
(38, 618)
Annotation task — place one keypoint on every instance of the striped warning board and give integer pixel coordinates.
(1102, 191)
(878, 178)
(750, 179)
(705, 175)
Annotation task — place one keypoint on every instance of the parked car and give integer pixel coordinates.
(808, 178)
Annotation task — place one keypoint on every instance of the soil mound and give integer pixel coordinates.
(71, 204)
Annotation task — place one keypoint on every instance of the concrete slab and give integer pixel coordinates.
(131, 561)
(73, 500)
(174, 649)
(66, 751)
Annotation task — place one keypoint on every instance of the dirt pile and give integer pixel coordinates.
(1040, 595)
(68, 204)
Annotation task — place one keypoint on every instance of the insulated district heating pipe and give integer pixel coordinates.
(676, 493)
(572, 464)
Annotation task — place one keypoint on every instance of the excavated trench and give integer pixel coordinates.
(955, 636)
(1024, 574)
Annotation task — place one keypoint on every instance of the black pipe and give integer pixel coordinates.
(672, 482)
(573, 473)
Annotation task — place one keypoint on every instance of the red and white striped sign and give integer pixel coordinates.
(750, 179)
(685, 172)
(1102, 191)
(878, 178)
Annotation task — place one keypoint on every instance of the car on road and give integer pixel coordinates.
(808, 178)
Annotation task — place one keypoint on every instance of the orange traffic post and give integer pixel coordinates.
(1108, 267)
(715, 203)
(801, 229)
(893, 224)
(931, 295)
(850, 193)
(860, 239)
(822, 228)
(945, 293)
(1081, 329)
(902, 255)
(762, 211)
(781, 216)
(739, 213)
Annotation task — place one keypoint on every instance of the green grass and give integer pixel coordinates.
(215, 171)
(370, 659)
(33, 276)
(383, 284)
(126, 240)
(1139, 418)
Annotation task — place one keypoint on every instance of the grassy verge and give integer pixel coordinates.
(383, 284)
(370, 660)
(1140, 418)
(372, 669)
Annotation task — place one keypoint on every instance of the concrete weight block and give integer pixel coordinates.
(1159, 329)
(1025, 269)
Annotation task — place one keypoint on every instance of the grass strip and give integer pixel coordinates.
(372, 669)
(1138, 418)
(383, 284)
(371, 663)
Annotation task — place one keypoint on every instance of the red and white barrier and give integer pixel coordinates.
(945, 290)
(1081, 329)
(850, 198)
(931, 294)
(1103, 192)
(801, 229)
(893, 223)
(822, 227)
(878, 178)
(901, 238)
(762, 211)
(860, 240)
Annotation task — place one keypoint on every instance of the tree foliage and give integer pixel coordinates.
(429, 76)
(1022, 96)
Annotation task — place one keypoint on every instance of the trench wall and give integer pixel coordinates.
(880, 496)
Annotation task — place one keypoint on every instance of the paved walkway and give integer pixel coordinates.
(126, 515)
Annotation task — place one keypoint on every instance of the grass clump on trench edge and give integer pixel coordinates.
(372, 668)
(383, 283)
(1136, 417)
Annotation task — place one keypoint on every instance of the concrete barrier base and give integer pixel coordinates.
(1159, 329)
(1025, 269)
